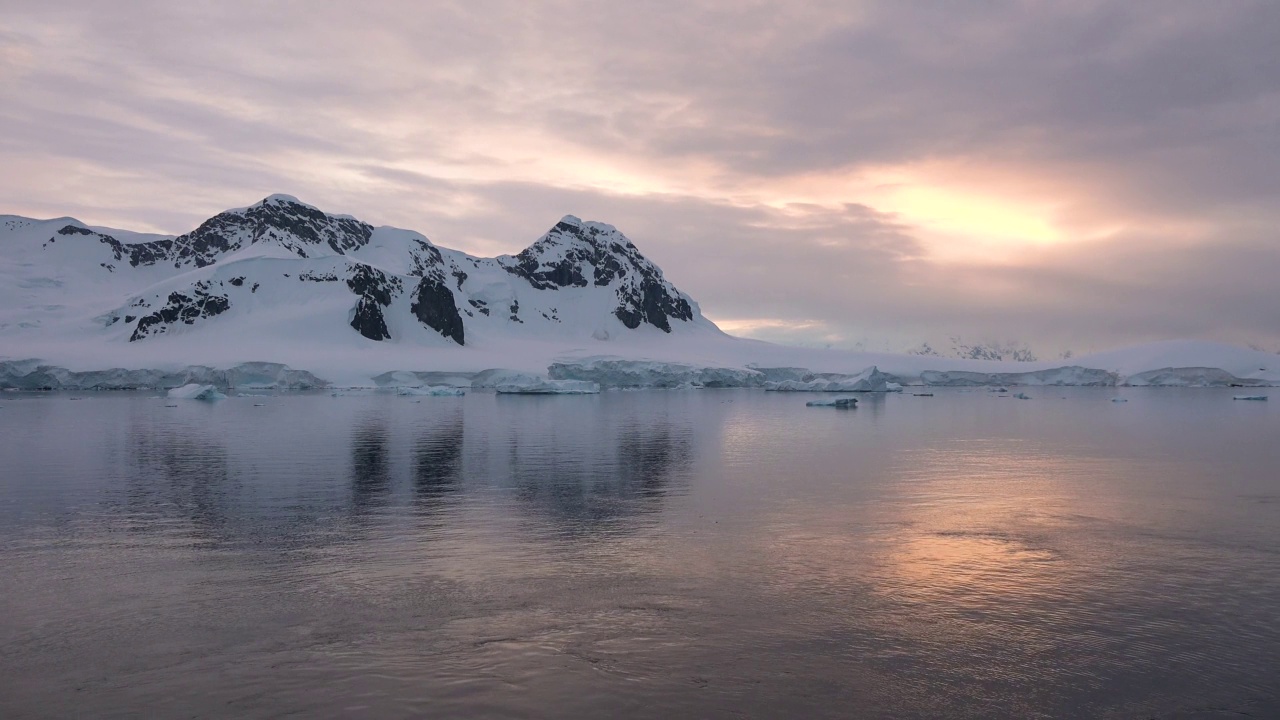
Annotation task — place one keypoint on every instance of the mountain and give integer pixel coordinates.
(282, 271)
(283, 294)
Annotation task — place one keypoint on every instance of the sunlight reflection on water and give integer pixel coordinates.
(714, 553)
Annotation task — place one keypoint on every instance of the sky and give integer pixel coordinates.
(1072, 175)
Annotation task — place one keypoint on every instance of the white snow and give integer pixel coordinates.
(196, 391)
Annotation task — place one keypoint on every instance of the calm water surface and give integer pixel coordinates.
(640, 554)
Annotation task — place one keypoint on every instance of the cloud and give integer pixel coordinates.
(1072, 174)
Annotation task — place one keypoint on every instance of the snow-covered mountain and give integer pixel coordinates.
(282, 271)
(283, 294)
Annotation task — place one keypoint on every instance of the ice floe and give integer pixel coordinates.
(844, 403)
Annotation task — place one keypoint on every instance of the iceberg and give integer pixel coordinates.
(869, 380)
(1070, 375)
(1191, 377)
(533, 385)
(195, 391)
(432, 391)
(35, 375)
(1119, 399)
(1249, 397)
(846, 403)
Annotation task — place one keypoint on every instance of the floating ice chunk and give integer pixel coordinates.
(1249, 397)
(846, 403)
(1119, 400)
(922, 394)
(432, 390)
(195, 391)
(533, 385)
(1023, 396)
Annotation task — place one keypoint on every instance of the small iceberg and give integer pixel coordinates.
(846, 403)
(532, 385)
(432, 391)
(1119, 399)
(1023, 396)
(921, 394)
(195, 391)
(1249, 397)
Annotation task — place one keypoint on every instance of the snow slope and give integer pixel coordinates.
(283, 282)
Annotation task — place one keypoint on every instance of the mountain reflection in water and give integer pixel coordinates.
(640, 554)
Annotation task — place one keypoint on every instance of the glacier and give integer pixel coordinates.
(869, 380)
(534, 385)
(431, 391)
(619, 373)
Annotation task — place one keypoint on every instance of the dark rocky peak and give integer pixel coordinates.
(299, 228)
(577, 254)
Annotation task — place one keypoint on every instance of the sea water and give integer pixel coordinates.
(710, 553)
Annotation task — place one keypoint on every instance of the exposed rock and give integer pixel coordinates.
(199, 304)
(376, 290)
(434, 306)
(577, 254)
